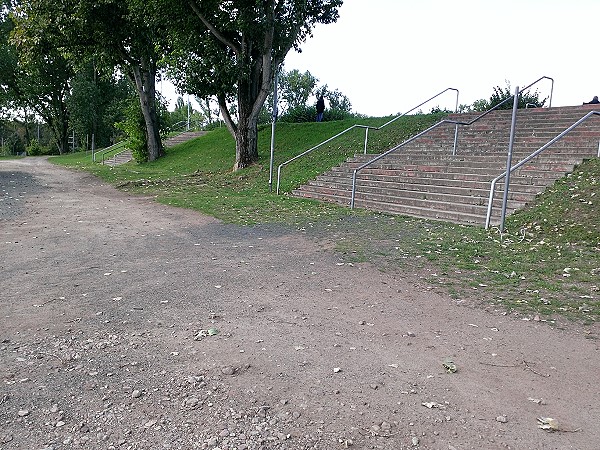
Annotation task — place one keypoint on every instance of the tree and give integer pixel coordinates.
(337, 100)
(37, 74)
(295, 88)
(238, 46)
(97, 102)
(112, 33)
(126, 34)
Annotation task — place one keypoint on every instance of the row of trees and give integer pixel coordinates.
(229, 50)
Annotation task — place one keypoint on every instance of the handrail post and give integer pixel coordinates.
(511, 142)
(488, 217)
(455, 127)
(455, 140)
(278, 175)
(353, 189)
(366, 138)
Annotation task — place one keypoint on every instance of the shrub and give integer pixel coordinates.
(135, 128)
(34, 148)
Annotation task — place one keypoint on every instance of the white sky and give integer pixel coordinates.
(388, 56)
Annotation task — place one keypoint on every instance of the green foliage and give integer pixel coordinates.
(232, 50)
(295, 88)
(38, 73)
(134, 128)
(96, 104)
(309, 113)
(527, 99)
(34, 148)
(336, 99)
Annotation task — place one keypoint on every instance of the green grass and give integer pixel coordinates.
(547, 263)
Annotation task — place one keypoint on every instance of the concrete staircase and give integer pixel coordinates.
(424, 180)
(183, 137)
(119, 158)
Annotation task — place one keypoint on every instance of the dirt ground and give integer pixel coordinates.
(126, 324)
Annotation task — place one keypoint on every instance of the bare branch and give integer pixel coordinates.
(216, 33)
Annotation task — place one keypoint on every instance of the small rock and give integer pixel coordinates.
(60, 423)
(136, 394)
(23, 412)
(224, 433)
(191, 402)
(228, 370)
(386, 426)
(415, 441)
(501, 419)
(410, 334)
(337, 369)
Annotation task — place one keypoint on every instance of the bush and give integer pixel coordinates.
(309, 114)
(135, 128)
(526, 100)
(34, 148)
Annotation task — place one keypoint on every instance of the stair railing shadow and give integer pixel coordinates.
(366, 128)
(530, 157)
(434, 126)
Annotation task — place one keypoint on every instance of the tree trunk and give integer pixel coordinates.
(246, 143)
(251, 95)
(145, 79)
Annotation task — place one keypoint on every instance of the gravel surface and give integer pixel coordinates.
(125, 324)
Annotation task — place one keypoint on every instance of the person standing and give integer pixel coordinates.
(320, 108)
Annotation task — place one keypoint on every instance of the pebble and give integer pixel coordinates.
(136, 394)
(337, 369)
(228, 370)
(191, 402)
(23, 412)
(415, 441)
(501, 419)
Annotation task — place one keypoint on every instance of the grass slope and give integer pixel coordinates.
(547, 263)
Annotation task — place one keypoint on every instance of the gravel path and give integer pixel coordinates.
(125, 324)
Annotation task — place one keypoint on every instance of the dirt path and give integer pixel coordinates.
(108, 302)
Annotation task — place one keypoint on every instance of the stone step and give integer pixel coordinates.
(183, 137)
(424, 179)
(118, 159)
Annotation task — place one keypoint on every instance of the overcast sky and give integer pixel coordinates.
(388, 56)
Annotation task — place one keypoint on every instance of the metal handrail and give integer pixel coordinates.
(530, 157)
(105, 150)
(366, 127)
(479, 117)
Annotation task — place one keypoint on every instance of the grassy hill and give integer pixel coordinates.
(545, 266)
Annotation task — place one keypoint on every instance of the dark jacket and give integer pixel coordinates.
(320, 105)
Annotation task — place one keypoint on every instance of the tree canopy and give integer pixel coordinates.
(228, 50)
(236, 47)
